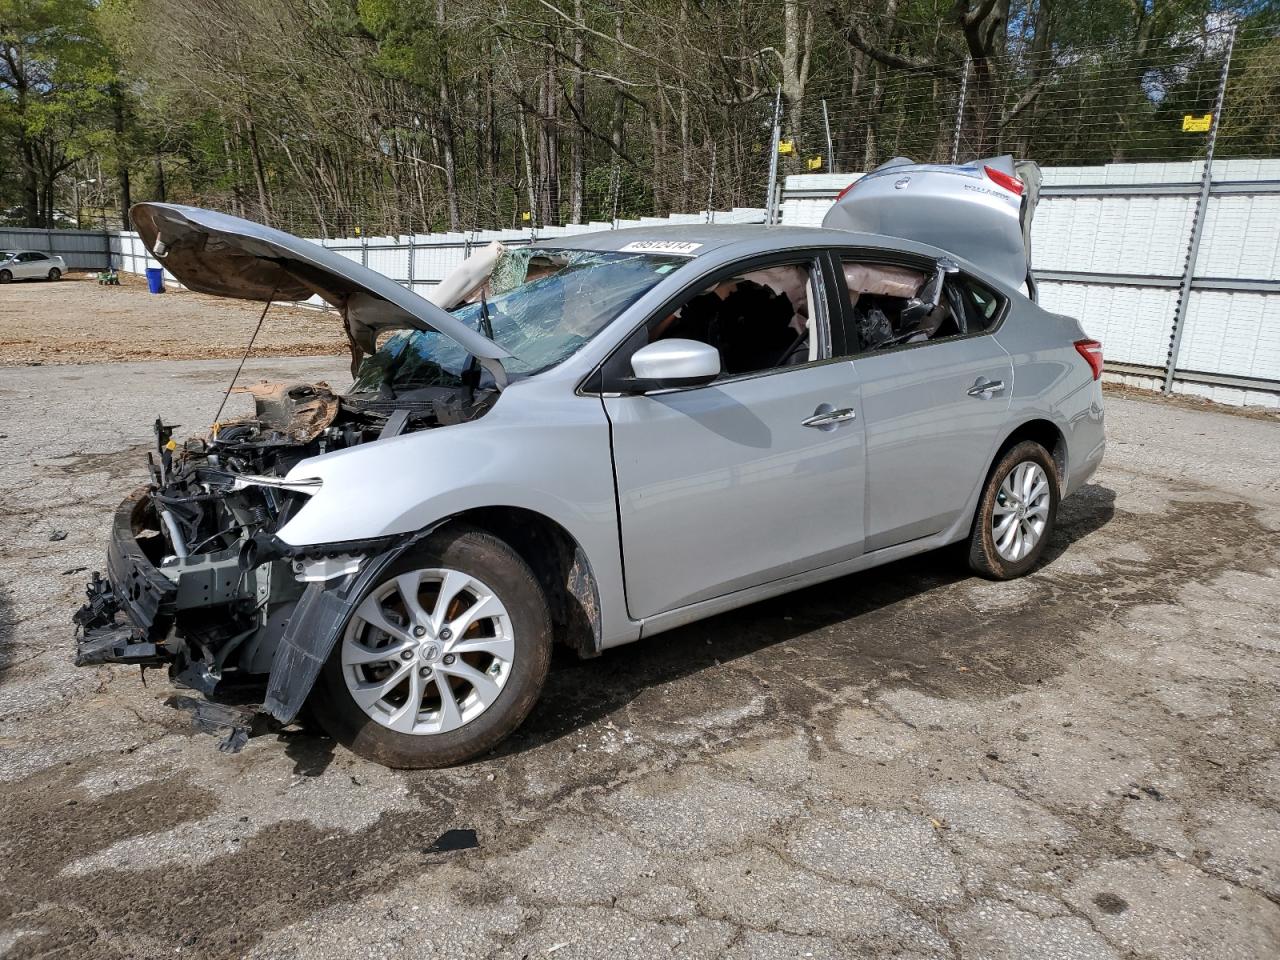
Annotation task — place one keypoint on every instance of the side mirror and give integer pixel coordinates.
(673, 363)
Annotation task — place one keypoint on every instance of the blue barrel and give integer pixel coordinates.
(155, 279)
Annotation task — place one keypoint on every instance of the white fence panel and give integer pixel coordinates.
(1133, 323)
(1232, 333)
(1241, 238)
(1133, 235)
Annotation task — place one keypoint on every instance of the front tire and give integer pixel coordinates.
(443, 657)
(1016, 513)
(55, 274)
(5, 276)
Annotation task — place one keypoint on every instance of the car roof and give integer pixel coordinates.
(739, 239)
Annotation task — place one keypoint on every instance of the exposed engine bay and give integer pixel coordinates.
(203, 575)
(195, 564)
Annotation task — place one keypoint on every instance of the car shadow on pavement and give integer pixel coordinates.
(868, 625)
(856, 629)
(8, 627)
(310, 749)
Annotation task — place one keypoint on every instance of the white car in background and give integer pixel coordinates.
(30, 265)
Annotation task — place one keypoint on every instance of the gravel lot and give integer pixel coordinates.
(78, 321)
(910, 762)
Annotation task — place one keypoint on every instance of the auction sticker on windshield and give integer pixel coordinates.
(660, 246)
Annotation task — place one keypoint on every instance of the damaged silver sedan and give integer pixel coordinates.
(584, 442)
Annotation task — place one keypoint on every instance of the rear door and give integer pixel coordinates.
(932, 412)
(723, 487)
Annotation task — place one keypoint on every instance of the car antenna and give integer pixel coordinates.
(236, 376)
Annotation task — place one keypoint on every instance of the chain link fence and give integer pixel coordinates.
(1130, 101)
(1117, 103)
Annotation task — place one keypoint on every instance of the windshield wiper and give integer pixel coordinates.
(471, 376)
(486, 322)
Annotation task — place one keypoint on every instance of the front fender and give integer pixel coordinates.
(551, 463)
(541, 448)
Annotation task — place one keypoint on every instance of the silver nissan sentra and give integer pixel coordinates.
(588, 441)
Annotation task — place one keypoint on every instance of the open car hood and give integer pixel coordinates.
(226, 256)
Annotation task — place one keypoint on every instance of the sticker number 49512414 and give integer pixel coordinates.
(661, 246)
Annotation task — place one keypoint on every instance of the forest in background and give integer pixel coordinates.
(331, 117)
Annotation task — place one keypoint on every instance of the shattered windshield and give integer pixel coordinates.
(539, 305)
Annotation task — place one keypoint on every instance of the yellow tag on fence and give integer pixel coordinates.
(1194, 124)
(526, 217)
(786, 146)
(815, 163)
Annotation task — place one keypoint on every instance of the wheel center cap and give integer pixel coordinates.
(430, 652)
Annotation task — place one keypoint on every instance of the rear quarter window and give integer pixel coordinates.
(982, 304)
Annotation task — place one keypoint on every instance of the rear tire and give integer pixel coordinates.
(491, 665)
(55, 274)
(1016, 513)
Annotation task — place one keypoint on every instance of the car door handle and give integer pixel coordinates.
(986, 388)
(828, 417)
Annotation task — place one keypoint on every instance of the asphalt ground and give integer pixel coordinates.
(910, 762)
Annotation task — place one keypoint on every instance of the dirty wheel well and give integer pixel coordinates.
(1044, 433)
(559, 564)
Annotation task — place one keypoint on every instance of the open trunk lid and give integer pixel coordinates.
(226, 256)
(980, 211)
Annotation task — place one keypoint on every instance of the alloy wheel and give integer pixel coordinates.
(428, 651)
(1021, 511)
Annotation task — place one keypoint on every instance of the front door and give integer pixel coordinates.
(725, 486)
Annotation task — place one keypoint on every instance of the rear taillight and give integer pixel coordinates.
(1004, 180)
(840, 195)
(1091, 350)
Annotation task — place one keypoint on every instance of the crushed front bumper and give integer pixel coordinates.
(128, 615)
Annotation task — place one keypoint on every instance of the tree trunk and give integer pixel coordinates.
(118, 106)
(231, 153)
(797, 39)
(578, 148)
(30, 183)
(686, 200)
(259, 172)
(446, 127)
(870, 157)
(985, 39)
(548, 141)
(531, 189)
(619, 101)
(657, 138)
